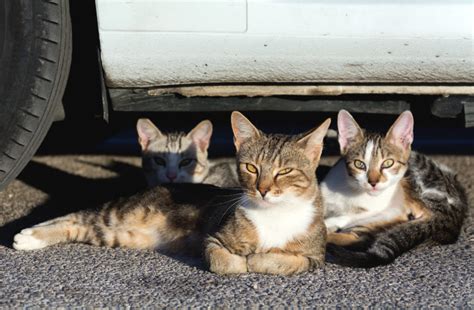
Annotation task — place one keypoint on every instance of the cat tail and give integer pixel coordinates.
(386, 246)
(451, 210)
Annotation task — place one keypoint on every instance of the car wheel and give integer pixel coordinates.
(35, 56)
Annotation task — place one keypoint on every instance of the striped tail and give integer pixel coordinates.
(387, 245)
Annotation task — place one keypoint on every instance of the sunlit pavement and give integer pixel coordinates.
(77, 274)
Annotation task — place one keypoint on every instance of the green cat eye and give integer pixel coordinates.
(185, 162)
(388, 163)
(159, 161)
(284, 171)
(251, 168)
(359, 164)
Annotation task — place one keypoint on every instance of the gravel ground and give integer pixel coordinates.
(82, 275)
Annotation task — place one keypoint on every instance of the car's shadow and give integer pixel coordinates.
(70, 193)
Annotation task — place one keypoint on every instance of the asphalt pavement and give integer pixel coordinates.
(82, 275)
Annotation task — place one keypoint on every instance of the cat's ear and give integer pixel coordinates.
(201, 135)
(147, 132)
(312, 142)
(243, 129)
(401, 132)
(348, 130)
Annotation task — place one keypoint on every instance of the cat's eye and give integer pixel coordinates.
(251, 168)
(388, 163)
(284, 171)
(159, 161)
(359, 164)
(185, 162)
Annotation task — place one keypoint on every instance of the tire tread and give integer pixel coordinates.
(49, 58)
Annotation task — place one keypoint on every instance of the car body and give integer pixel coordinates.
(219, 55)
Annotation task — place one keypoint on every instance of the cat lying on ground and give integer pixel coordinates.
(382, 199)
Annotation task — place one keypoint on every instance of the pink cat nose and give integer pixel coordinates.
(171, 176)
(263, 191)
(373, 183)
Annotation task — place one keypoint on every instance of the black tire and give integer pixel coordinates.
(35, 47)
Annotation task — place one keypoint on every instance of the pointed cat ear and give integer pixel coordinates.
(243, 129)
(147, 131)
(201, 135)
(313, 141)
(401, 132)
(348, 130)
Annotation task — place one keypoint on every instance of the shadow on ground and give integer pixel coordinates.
(70, 193)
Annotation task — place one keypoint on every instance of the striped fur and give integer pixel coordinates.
(177, 157)
(233, 229)
(434, 204)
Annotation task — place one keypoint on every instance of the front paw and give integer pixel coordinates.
(221, 261)
(257, 263)
(336, 224)
(27, 240)
(277, 264)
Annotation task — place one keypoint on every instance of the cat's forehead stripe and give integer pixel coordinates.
(174, 141)
(369, 151)
(271, 147)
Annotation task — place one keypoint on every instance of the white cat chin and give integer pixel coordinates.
(380, 188)
(269, 201)
(374, 192)
(265, 204)
(276, 201)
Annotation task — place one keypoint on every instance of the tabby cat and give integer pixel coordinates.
(381, 199)
(274, 224)
(178, 157)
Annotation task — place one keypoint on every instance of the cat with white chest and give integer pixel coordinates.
(382, 196)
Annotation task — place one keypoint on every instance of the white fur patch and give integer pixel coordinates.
(340, 196)
(433, 192)
(368, 153)
(280, 223)
(25, 241)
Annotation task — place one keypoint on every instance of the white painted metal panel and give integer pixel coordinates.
(173, 15)
(318, 41)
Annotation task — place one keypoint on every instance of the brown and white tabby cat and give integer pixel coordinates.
(273, 225)
(178, 157)
(381, 199)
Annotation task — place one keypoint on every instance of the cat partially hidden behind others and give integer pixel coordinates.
(179, 157)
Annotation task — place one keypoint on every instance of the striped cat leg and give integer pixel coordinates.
(221, 260)
(137, 228)
(75, 227)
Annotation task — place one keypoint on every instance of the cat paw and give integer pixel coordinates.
(221, 261)
(25, 241)
(277, 264)
(336, 223)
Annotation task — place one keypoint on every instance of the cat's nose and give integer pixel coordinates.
(171, 176)
(263, 191)
(373, 183)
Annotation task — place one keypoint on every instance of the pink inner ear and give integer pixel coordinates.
(347, 129)
(202, 137)
(202, 144)
(343, 141)
(402, 131)
(143, 143)
(144, 137)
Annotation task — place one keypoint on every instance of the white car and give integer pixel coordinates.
(186, 55)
